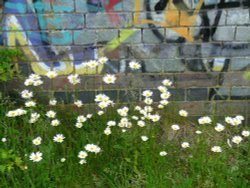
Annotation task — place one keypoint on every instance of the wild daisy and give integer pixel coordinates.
(109, 79)
(183, 113)
(30, 104)
(55, 122)
(51, 114)
(175, 127)
(82, 161)
(37, 141)
(147, 93)
(102, 60)
(28, 82)
(219, 127)
(237, 139)
(26, 94)
(134, 65)
(204, 120)
(74, 79)
(245, 133)
(81, 119)
(92, 64)
(198, 132)
(216, 149)
(100, 112)
(107, 131)
(3, 139)
(144, 138)
(165, 95)
(111, 123)
(78, 103)
(185, 145)
(141, 123)
(82, 154)
(62, 160)
(51, 74)
(36, 157)
(59, 138)
(167, 82)
(92, 148)
(52, 102)
(163, 153)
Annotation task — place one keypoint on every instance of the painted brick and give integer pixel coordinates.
(61, 37)
(127, 96)
(238, 64)
(81, 6)
(231, 108)
(240, 93)
(87, 96)
(63, 6)
(185, 80)
(85, 37)
(219, 93)
(197, 107)
(106, 34)
(64, 21)
(163, 65)
(197, 94)
(243, 34)
(101, 20)
(224, 34)
(235, 79)
(135, 37)
(237, 17)
(149, 37)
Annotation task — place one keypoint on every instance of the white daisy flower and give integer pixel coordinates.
(51, 114)
(79, 125)
(58, 138)
(62, 160)
(102, 60)
(245, 133)
(185, 145)
(28, 82)
(219, 127)
(144, 138)
(52, 102)
(82, 154)
(163, 153)
(78, 103)
(183, 113)
(92, 148)
(134, 65)
(81, 119)
(3, 139)
(37, 82)
(51, 74)
(237, 139)
(141, 123)
(175, 127)
(34, 77)
(55, 122)
(165, 95)
(147, 93)
(155, 117)
(111, 123)
(162, 89)
(74, 79)
(216, 149)
(100, 112)
(109, 79)
(107, 131)
(167, 82)
(204, 120)
(30, 104)
(37, 141)
(82, 162)
(92, 64)
(26, 94)
(36, 157)
(198, 132)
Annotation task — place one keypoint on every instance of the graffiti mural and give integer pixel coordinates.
(62, 34)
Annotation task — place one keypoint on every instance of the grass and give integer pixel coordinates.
(125, 161)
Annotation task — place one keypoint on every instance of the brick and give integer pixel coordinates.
(235, 50)
(163, 65)
(235, 79)
(129, 5)
(197, 94)
(186, 80)
(92, 82)
(197, 107)
(177, 94)
(135, 37)
(219, 93)
(231, 108)
(127, 96)
(106, 34)
(61, 37)
(61, 83)
(237, 16)
(240, 93)
(150, 81)
(24, 69)
(196, 65)
(224, 34)
(239, 64)
(85, 37)
(81, 6)
(101, 20)
(63, 6)
(243, 34)
(150, 37)
(86, 96)
(64, 21)
(64, 97)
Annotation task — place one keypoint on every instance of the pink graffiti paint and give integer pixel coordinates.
(109, 7)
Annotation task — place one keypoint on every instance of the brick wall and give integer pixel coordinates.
(202, 45)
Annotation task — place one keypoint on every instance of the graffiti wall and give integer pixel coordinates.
(204, 45)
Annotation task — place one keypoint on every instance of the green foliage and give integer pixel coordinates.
(246, 75)
(8, 63)
(9, 160)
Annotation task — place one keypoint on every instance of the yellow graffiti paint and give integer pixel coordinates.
(172, 18)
